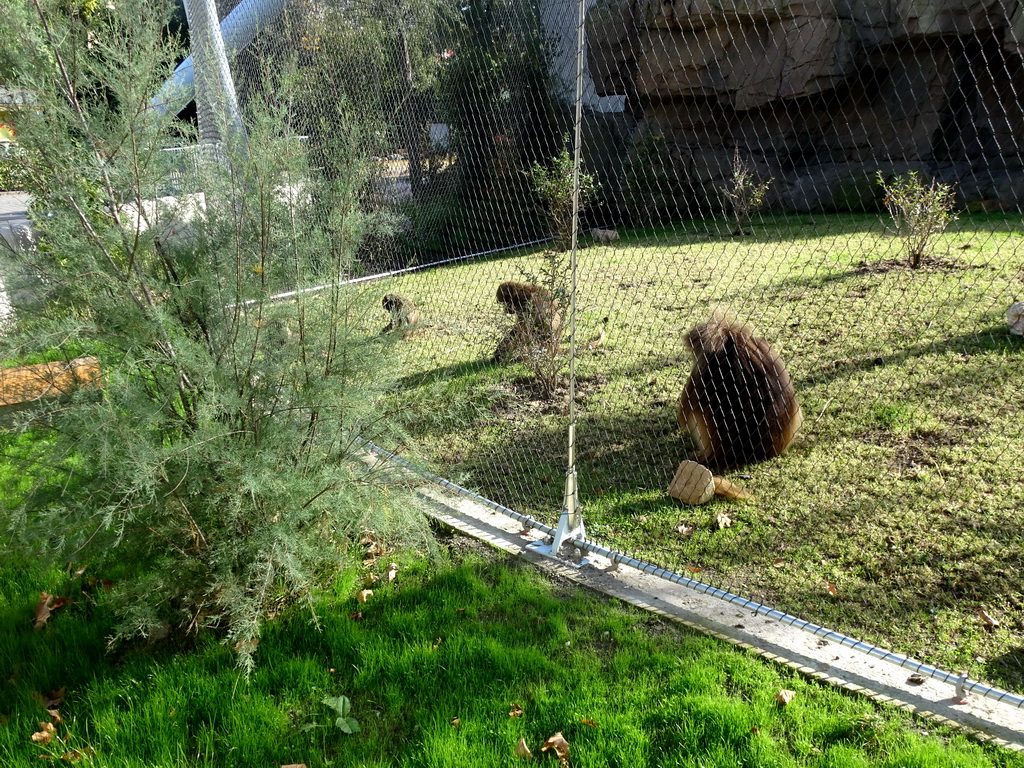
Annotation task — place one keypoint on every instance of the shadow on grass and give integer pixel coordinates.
(994, 339)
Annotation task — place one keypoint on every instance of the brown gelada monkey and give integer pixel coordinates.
(538, 321)
(738, 403)
(404, 315)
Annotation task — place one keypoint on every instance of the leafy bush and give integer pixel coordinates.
(12, 171)
(919, 210)
(217, 468)
(744, 194)
(554, 186)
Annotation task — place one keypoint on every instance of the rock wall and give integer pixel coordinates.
(820, 95)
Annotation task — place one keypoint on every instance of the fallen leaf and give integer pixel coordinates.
(686, 530)
(55, 698)
(74, 755)
(989, 621)
(392, 571)
(249, 644)
(438, 641)
(916, 679)
(45, 736)
(456, 722)
(721, 520)
(294, 765)
(831, 589)
(55, 716)
(694, 569)
(558, 744)
(76, 572)
(784, 696)
(43, 609)
(778, 562)
(364, 595)
(517, 711)
(371, 579)
(591, 723)
(754, 729)
(356, 615)
(523, 751)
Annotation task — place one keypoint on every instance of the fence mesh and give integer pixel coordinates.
(841, 181)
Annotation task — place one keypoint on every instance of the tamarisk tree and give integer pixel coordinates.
(215, 467)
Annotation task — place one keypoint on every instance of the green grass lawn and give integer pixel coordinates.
(433, 668)
(895, 516)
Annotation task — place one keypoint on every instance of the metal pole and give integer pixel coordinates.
(220, 119)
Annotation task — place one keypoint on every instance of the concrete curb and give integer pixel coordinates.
(985, 719)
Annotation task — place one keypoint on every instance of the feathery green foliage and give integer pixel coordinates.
(216, 464)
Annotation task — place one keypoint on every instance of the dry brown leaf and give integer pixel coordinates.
(516, 711)
(42, 610)
(54, 699)
(44, 736)
(591, 723)
(831, 589)
(686, 529)
(916, 679)
(988, 620)
(456, 722)
(438, 641)
(721, 520)
(55, 716)
(694, 569)
(74, 755)
(364, 595)
(784, 696)
(294, 765)
(778, 562)
(392, 571)
(356, 615)
(523, 751)
(558, 743)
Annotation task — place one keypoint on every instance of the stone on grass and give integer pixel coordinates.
(693, 483)
(1015, 318)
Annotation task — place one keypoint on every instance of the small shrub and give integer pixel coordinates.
(539, 341)
(540, 345)
(554, 186)
(920, 211)
(744, 194)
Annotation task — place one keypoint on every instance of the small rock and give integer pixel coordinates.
(693, 483)
(1015, 318)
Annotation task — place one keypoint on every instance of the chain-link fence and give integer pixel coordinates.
(832, 189)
